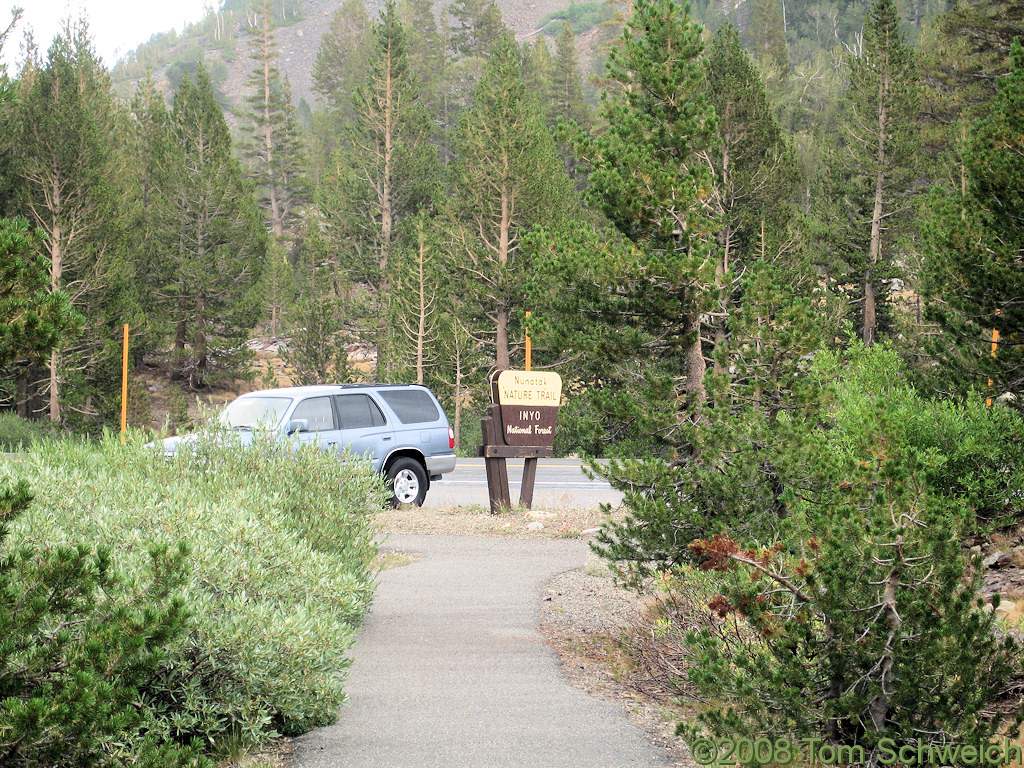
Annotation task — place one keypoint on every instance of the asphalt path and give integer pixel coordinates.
(450, 670)
(560, 483)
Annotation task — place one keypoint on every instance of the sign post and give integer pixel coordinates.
(519, 424)
(124, 385)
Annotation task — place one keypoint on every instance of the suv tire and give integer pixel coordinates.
(407, 480)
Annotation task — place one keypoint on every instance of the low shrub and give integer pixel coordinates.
(281, 569)
(18, 434)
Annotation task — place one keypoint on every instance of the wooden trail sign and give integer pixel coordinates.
(529, 406)
(519, 424)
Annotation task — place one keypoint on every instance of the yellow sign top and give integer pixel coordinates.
(529, 388)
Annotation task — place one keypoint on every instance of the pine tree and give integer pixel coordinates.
(387, 170)
(507, 178)
(221, 242)
(344, 57)
(426, 52)
(422, 289)
(755, 169)
(566, 91)
(880, 146)
(275, 150)
(539, 74)
(68, 176)
(973, 249)
(461, 363)
(476, 27)
(768, 37)
(862, 623)
(79, 658)
(649, 179)
(152, 150)
(319, 322)
(985, 30)
(35, 319)
(341, 66)
(278, 286)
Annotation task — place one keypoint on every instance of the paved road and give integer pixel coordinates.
(560, 483)
(450, 670)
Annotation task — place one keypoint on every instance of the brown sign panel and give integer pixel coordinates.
(529, 406)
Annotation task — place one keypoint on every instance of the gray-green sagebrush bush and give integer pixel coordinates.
(78, 652)
(281, 569)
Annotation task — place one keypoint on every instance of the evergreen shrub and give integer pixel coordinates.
(852, 612)
(281, 570)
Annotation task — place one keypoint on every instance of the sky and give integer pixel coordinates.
(117, 26)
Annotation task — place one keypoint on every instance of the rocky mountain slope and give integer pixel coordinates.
(299, 42)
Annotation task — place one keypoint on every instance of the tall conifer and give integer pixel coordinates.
(507, 178)
(650, 180)
(221, 241)
(974, 247)
(274, 152)
(879, 151)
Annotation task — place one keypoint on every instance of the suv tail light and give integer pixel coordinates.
(451, 438)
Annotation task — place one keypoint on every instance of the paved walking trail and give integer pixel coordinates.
(450, 670)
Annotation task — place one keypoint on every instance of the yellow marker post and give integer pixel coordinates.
(529, 345)
(995, 346)
(124, 386)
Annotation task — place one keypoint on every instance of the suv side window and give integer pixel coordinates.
(358, 411)
(318, 412)
(412, 406)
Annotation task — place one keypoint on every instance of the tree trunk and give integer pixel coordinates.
(502, 361)
(458, 395)
(276, 215)
(386, 223)
(725, 239)
(422, 328)
(22, 402)
(875, 249)
(721, 268)
(501, 352)
(695, 367)
(199, 353)
(56, 272)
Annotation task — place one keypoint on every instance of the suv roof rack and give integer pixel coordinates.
(365, 384)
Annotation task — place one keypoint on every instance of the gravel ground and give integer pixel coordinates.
(561, 522)
(583, 616)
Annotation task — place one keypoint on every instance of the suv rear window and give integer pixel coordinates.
(411, 406)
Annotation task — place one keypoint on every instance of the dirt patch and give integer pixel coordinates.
(584, 617)
(556, 522)
(276, 755)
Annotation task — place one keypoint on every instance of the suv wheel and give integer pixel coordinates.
(408, 482)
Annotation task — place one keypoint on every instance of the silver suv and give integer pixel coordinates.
(400, 428)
